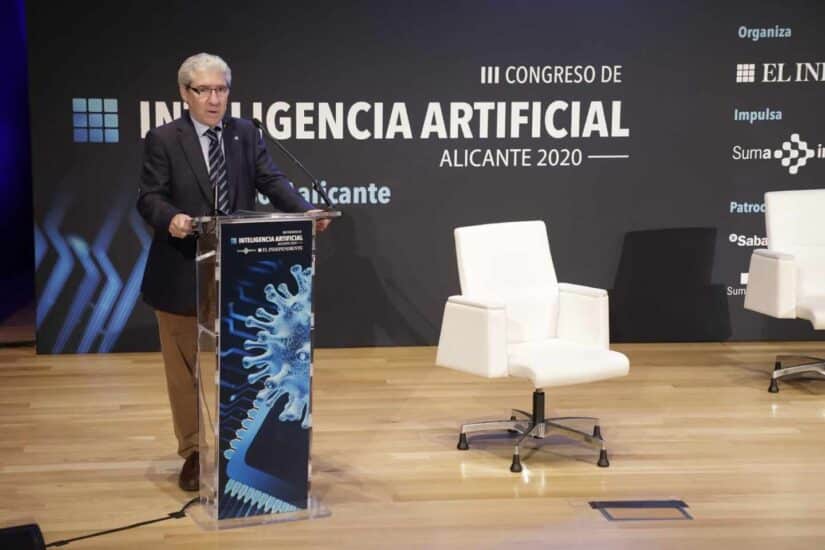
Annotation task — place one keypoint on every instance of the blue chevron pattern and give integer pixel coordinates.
(124, 306)
(111, 289)
(65, 261)
(102, 300)
(40, 246)
(84, 291)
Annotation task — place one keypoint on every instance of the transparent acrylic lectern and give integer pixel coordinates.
(255, 325)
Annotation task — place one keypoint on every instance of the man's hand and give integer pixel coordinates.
(180, 226)
(321, 224)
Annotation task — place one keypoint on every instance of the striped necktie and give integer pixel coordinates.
(217, 171)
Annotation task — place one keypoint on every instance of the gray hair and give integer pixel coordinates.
(202, 62)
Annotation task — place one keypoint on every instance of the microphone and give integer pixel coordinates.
(315, 185)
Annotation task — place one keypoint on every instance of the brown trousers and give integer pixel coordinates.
(179, 347)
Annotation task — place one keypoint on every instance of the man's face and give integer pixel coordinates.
(207, 96)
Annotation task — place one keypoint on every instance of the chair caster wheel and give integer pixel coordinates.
(462, 443)
(515, 467)
(774, 387)
(603, 462)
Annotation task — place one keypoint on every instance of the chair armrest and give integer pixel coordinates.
(473, 337)
(773, 254)
(583, 290)
(584, 315)
(475, 302)
(772, 284)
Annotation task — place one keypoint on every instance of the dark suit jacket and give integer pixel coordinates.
(175, 179)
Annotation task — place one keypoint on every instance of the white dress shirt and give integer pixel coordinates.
(201, 129)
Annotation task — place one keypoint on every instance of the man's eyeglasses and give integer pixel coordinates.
(206, 91)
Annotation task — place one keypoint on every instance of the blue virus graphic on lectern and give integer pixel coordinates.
(280, 367)
(284, 361)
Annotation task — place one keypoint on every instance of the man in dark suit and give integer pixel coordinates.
(202, 162)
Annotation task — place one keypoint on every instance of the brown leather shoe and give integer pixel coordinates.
(190, 473)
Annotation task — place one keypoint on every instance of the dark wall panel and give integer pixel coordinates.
(655, 194)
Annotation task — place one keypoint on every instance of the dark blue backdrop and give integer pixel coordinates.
(657, 216)
(17, 266)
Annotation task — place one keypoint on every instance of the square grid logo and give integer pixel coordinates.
(95, 120)
(746, 72)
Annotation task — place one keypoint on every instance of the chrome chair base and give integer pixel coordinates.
(809, 365)
(536, 426)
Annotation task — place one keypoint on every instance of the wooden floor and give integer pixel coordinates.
(86, 444)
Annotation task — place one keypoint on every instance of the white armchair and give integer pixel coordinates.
(787, 280)
(514, 319)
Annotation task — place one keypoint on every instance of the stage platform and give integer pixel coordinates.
(87, 445)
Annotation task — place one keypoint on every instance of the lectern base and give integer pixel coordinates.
(204, 515)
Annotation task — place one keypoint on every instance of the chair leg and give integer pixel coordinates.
(810, 365)
(774, 387)
(512, 426)
(515, 467)
(593, 439)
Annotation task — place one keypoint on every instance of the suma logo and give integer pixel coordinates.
(792, 154)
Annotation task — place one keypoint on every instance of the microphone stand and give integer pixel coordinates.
(315, 185)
